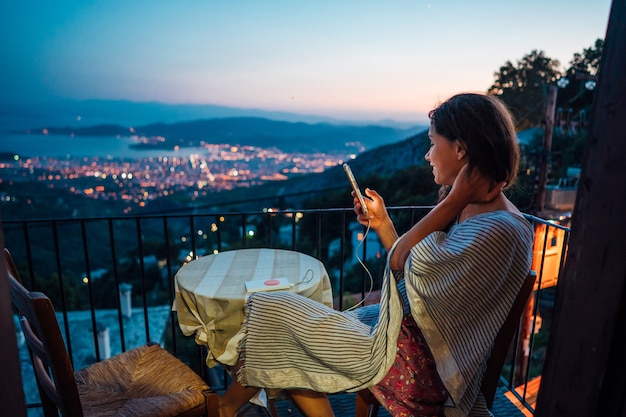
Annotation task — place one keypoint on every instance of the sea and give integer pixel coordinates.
(37, 144)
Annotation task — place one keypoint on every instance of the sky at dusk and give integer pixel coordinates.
(342, 59)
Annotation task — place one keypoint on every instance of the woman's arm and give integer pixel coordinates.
(470, 186)
(436, 219)
(379, 220)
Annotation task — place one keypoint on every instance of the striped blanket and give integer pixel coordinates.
(291, 341)
(460, 287)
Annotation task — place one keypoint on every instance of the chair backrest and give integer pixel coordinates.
(503, 340)
(12, 269)
(51, 362)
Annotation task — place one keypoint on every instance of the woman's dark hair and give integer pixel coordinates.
(485, 127)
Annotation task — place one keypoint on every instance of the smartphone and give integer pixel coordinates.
(355, 187)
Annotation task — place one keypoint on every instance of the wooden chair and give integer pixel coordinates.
(145, 381)
(367, 405)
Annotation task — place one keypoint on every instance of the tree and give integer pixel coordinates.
(523, 87)
(577, 86)
(589, 61)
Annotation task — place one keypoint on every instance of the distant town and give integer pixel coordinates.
(136, 181)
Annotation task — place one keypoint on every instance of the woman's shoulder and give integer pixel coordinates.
(499, 217)
(503, 221)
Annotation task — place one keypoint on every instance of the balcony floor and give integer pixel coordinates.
(343, 406)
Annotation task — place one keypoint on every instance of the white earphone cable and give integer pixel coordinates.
(366, 270)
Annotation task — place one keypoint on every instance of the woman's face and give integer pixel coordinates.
(445, 157)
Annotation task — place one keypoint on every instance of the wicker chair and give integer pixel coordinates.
(145, 381)
(367, 405)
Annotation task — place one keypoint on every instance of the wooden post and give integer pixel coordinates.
(523, 342)
(585, 370)
(547, 148)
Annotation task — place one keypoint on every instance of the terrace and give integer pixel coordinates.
(112, 282)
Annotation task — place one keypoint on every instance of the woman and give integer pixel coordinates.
(449, 284)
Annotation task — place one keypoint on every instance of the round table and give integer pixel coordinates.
(211, 293)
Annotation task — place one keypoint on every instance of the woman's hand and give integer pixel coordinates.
(473, 187)
(376, 210)
(377, 217)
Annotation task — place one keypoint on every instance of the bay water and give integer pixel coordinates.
(36, 144)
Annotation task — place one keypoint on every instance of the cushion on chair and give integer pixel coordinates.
(145, 381)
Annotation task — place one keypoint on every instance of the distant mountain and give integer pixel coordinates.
(129, 113)
(252, 131)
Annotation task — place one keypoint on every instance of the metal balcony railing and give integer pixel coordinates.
(112, 279)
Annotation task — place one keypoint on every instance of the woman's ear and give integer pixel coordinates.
(460, 151)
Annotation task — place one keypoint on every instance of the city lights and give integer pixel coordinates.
(139, 181)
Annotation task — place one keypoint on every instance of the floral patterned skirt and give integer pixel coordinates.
(412, 386)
